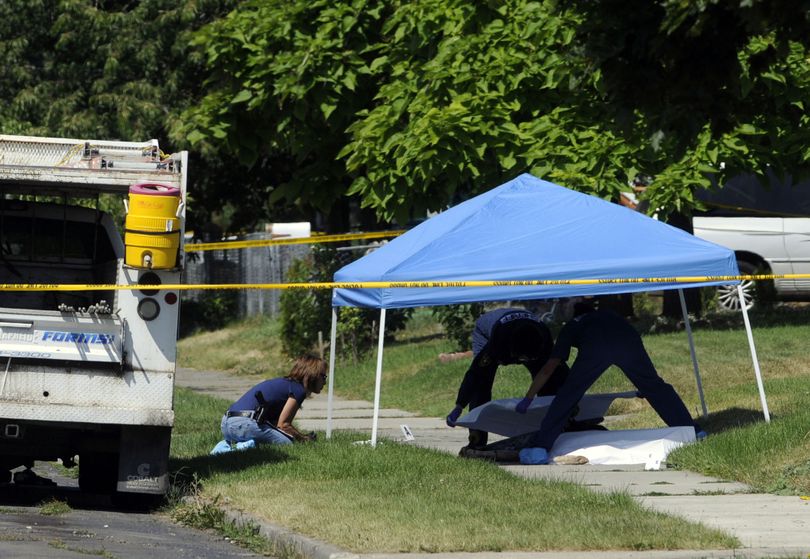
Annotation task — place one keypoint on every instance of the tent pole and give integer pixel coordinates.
(760, 386)
(694, 355)
(378, 380)
(332, 344)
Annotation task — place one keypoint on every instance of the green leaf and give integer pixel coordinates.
(195, 137)
(241, 97)
(350, 81)
(377, 63)
(749, 130)
(327, 109)
(773, 76)
(508, 161)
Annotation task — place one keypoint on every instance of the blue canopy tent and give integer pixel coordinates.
(531, 229)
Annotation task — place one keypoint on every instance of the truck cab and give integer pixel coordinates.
(87, 337)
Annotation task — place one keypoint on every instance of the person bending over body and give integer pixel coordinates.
(603, 338)
(264, 414)
(504, 337)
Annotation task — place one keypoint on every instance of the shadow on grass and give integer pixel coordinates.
(206, 465)
(731, 418)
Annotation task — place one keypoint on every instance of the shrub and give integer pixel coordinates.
(212, 310)
(304, 313)
(459, 321)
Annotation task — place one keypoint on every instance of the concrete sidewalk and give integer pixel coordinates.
(767, 525)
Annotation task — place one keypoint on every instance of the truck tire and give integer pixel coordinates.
(728, 298)
(98, 472)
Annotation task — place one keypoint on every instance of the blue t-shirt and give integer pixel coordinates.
(276, 392)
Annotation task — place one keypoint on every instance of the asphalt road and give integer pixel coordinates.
(95, 528)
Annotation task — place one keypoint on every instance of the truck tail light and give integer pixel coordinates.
(148, 309)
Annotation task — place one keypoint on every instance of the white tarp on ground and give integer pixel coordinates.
(499, 416)
(638, 446)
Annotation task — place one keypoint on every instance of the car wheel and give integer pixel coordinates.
(728, 298)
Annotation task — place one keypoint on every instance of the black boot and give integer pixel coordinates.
(477, 439)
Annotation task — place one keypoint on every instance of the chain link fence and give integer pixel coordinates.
(245, 265)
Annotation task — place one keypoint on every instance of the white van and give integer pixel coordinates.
(767, 226)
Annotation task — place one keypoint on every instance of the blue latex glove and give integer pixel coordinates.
(523, 405)
(533, 456)
(221, 448)
(452, 417)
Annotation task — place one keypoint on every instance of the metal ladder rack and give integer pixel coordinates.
(59, 164)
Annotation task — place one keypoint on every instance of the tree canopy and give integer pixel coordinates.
(105, 69)
(412, 105)
(108, 69)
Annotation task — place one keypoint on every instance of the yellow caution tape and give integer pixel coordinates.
(227, 245)
(390, 284)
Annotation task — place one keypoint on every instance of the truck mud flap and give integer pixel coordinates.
(143, 465)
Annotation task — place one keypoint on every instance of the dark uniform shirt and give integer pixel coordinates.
(602, 331)
(493, 333)
(276, 392)
(492, 344)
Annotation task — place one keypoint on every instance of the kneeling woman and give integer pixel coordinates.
(265, 413)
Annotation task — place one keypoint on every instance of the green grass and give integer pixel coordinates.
(399, 498)
(62, 546)
(199, 511)
(54, 507)
(771, 457)
(250, 347)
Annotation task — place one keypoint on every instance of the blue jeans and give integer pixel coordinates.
(241, 429)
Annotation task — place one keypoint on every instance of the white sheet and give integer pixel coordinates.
(499, 416)
(638, 446)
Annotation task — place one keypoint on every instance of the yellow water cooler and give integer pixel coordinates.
(152, 228)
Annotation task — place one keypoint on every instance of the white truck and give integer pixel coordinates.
(86, 373)
(768, 228)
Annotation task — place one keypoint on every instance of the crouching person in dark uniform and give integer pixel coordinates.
(603, 338)
(264, 414)
(504, 337)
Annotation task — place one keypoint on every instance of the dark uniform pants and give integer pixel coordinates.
(481, 393)
(631, 357)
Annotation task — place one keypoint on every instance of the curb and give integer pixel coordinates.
(310, 548)
(288, 540)
(739, 553)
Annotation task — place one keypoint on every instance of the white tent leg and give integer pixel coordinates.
(760, 386)
(694, 355)
(378, 381)
(332, 344)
